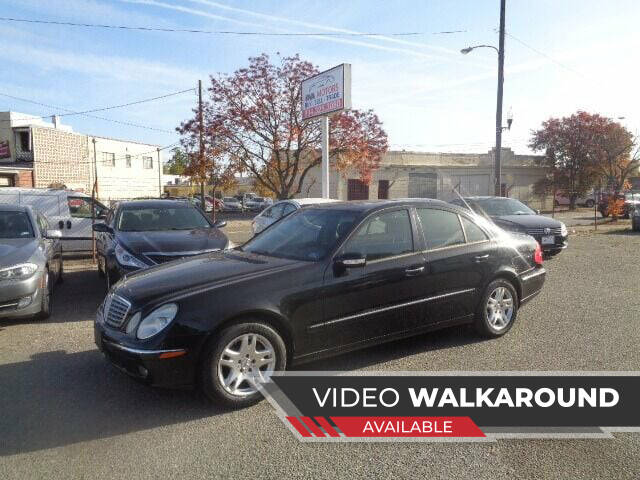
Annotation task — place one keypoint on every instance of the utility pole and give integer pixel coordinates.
(201, 153)
(324, 123)
(497, 167)
(94, 194)
(159, 174)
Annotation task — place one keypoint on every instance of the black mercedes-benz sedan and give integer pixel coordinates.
(514, 216)
(327, 279)
(141, 233)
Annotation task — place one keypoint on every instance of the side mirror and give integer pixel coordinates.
(219, 224)
(53, 234)
(101, 227)
(349, 260)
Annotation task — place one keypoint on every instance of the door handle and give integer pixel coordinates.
(69, 224)
(481, 258)
(414, 271)
(61, 224)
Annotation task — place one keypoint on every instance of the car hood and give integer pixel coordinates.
(207, 271)
(173, 241)
(526, 221)
(16, 250)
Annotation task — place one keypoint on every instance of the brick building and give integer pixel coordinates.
(36, 153)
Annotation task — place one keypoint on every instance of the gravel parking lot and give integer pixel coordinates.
(67, 413)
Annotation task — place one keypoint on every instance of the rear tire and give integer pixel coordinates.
(589, 203)
(498, 309)
(236, 358)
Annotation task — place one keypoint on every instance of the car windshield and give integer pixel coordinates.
(15, 225)
(229, 199)
(308, 235)
(154, 219)
(498, 207)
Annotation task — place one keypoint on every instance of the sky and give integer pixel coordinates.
(560, 56)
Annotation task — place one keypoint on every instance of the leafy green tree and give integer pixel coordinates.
(178, 162)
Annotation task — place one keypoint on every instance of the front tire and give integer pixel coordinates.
(498, 309)
(45, 298)
(238, 358)
(589, 203)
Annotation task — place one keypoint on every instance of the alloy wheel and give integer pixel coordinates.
(245, 361)
(499, 308)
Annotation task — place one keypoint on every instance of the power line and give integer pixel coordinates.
(226, 32)
(566, 67)
(71, 112)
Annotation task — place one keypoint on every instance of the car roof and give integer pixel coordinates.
(155, 204)
(42, 191)
(8, 207)
(366, 206)
(311, 201)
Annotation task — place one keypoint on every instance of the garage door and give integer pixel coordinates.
(423, 185)
(471, 185)
(357, 190)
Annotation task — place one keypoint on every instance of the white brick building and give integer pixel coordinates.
(36, 153)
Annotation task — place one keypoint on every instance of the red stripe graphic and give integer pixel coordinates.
(298, 426)
(407, 426)
(327, 427)
(312, 426)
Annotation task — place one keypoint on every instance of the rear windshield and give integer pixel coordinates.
(155, 219)
(15, 225)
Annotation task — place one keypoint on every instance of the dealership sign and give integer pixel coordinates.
(5, 152)
(327, 92)
(455, 406)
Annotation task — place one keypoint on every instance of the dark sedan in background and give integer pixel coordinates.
(324, 280)
(514, 216)
(142, 233)
(30, 262)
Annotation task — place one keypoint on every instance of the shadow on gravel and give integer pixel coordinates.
(387, 352)
(624, 231)
(75, 300)
(60, 398)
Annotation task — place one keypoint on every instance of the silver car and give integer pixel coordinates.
(30, 262)
(282, 209)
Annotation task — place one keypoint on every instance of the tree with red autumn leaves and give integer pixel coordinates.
(582, 150)
(254, 116)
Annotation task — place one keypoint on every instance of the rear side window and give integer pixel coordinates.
(474, 233)
(288, 208)
(383, 235)
(441, 228)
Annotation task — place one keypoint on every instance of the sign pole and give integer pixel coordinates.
(324, 121)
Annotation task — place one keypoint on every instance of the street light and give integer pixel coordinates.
(497, 167)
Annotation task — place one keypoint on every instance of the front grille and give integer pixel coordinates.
(541, 231)
(115, 311)
(163, 258)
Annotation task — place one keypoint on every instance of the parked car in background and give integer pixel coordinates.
(232, 204)
(257, 204)
(281, 209)
(563, 199)
(68, 211)
(629, 202)
(635, 218)
(143, 233)
(325, 280)
(514, 216)
(30, 262)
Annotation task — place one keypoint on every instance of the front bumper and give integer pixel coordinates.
(11, 291)
(161, 367)
(559, 244)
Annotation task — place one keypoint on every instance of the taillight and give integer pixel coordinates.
(537, 255)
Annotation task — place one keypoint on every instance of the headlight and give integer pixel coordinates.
(18, 272)
(157, 320)
(230, 245)
(563, 230)
(125, 258)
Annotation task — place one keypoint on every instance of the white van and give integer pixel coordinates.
(66, 210)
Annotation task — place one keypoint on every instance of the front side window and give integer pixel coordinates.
(441, 228)
(308, 235)
(147, 162)
(383, 235)
(80, 207)
(158, 219)
(15, 225)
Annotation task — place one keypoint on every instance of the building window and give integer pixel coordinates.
(108, 159)
(357, 190)
(25, 141)
(147, 162)
(127, 159)
(383, 189)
